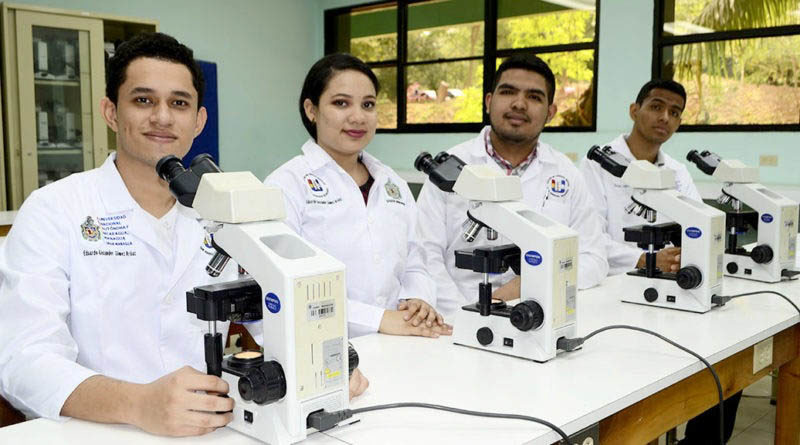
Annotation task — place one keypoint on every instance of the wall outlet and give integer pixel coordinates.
(768, 160)
(572, 156)
(762, 355)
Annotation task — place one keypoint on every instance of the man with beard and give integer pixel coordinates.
(519, 106)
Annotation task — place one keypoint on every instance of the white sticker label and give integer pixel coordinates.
(319, 310)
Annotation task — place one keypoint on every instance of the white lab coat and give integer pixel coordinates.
(441, 216)
(375, 241)
(610, 196)
(75, 304)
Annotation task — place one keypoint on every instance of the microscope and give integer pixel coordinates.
(697, 229)
(295, 292)
(544, 253)
(773, 216)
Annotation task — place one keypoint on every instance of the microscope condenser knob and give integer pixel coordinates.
(527, 315)
(732, 267)
(251, 385)
(485, 336)
(689, 277)
(651, 294)
(761, 254)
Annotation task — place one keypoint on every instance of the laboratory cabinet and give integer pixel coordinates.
(53, 78)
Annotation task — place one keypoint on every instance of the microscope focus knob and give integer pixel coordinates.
(264, 384)
(761, 254)
(689, 277)
(485, 336)
(527, 315)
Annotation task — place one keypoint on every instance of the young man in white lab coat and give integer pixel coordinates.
(519, 106)
(94, 272)
(656, 115)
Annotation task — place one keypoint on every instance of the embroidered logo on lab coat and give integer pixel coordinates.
(392, 190)
(558, 186)
(90, 230)
(316, 185)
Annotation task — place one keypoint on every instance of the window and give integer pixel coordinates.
(738, 60)
(435, 59)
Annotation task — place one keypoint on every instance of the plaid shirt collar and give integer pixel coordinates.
(505, 165)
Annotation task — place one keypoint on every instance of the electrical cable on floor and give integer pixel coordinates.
(570, 344)
(323, 421)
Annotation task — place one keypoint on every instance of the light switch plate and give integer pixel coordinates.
(768, 160)
(762, 355)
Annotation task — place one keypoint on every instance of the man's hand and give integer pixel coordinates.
(170, 406)
(358, 384)
(394, 323)
(417, 311)
(508, 291)
(668, 259)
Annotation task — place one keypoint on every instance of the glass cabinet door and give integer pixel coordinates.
(58, 91)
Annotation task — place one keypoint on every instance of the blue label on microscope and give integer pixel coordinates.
(273, 303)
(693, 232)
(533, 258)
(767, 218)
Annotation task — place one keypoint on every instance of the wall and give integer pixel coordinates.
(626, 47)
(262, 48)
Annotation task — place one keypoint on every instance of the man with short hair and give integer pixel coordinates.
(94, 272)
(519, 106)
(656, 114)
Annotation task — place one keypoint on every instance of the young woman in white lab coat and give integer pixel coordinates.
(354, 207)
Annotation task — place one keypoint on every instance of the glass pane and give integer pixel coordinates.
(748, 81)
(444, 92)
(574, 72)
(682, 17)
(523, 24)
(445, 29)
(369, 33)
(387, 97)
(58, 95)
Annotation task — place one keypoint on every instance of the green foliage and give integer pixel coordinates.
(470, 106)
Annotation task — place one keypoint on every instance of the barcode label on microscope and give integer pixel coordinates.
(321, 309)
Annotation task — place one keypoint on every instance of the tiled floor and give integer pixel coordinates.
(755, 418)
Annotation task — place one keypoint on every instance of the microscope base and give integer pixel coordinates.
(664, 292)
(267, 423)
(495, 333)
(743, 266)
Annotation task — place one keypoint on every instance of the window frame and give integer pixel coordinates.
(489, 57)
(661, 41)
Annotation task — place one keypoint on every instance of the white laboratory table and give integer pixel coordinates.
(631, 384)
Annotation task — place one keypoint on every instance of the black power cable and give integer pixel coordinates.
(570, 344)
(722, 299)
(322, 420)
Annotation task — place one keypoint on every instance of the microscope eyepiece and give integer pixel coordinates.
(204, 163)
(425, 163)
(705, 160)
(441, 157)
(169, 167)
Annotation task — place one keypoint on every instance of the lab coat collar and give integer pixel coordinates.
(544, 152)
(317, 158)
(620, 145)
(115, 195)
(315, 155)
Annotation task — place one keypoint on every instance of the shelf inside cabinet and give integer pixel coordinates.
(57, 82)
(59, 151)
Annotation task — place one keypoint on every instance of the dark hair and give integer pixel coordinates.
(153, 45)
(528, 62)
(321, 73)
(664, 84)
